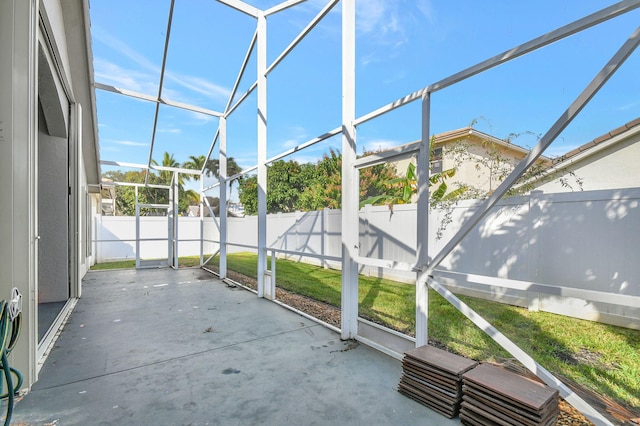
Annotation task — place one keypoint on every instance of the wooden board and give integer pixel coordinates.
(453, 379)
(435, 404)
(445, 384)
(470, 418)
(502, 384)
(443, 360)
(503, 416)
(435, 392)
(519, 412)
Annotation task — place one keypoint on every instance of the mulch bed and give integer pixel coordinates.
(569, 416)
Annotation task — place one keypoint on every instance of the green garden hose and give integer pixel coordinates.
(10, 324)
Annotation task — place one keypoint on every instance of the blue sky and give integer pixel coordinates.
(402, 46)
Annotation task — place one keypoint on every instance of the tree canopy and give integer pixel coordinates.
(293, 186)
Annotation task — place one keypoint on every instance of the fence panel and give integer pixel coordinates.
(584, 240)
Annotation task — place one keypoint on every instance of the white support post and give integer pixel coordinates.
(201, 215)
(222, 178)
(137, 229)
(422, 227)
(262, 149)
(175, 193)
(350, 176)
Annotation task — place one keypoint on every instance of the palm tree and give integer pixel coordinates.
(213, 168)
(165, 176)
(195, 163)
(185, 197)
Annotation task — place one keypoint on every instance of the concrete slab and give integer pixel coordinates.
(165, 347)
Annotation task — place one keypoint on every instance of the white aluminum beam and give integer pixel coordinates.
(152, 167)
(145, 97)
(262, 150)
(422, 225)
(201, 217)
(304, 254)
(172, 219)
(234, 177)
(222, 178)
(241, 6)
(141, 185)
(137, 229)
(215, 185)
(508, 55)
(325, 10)
(561, 123)
(124, 164)
(125, 92)
(282, 6)
(544, 40)
(383, 263)
(554, 290)
(175, 169)
(215, 219)
(241, 99)
(350, 180)
(524, 358)
(307, 144)
(213, 144)
(243, 67)
(188, 107)
(155, 206)
(162, 70)
(392, 154)
(242, 173)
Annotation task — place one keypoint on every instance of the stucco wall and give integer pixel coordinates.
(614, 166)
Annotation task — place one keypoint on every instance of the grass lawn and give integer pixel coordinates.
(184, 262)
(603, 358)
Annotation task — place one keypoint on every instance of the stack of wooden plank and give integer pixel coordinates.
(433, 377)
(494, 396)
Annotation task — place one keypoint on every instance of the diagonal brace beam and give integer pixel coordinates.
(565, 119)
(520, 355)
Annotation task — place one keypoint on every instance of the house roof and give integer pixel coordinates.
(598, 142)
(453, 135)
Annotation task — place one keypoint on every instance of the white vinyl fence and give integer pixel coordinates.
(578, 240)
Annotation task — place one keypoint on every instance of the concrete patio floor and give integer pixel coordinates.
(165, 347)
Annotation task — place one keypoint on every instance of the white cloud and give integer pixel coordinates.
(294, 137)
(200, 85)
(426, 8)
(379, 145)
(131, 143)
(124, 50)
(109, 73)
(201, 119)
(557, 151)
(627, 107)
(170, 130)
(382, 20)
(146, 79)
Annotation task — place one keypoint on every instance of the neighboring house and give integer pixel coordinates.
(481, 161)
(607, 162)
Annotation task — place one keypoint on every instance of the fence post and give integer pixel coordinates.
(535, 215)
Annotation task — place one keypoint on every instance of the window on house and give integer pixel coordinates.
(436, 160)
